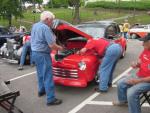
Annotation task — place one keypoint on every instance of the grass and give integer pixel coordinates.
(86, 14)
(142, 19)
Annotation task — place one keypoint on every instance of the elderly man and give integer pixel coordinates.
(130, 87)
(42, 42)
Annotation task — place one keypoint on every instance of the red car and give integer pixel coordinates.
(71, 69)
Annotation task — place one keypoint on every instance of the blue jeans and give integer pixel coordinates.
(125, 35)
(25, 49)
(106, 68)
(131, 93)
(44, 74)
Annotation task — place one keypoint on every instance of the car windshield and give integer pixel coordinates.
(94, 31)
(4, 31)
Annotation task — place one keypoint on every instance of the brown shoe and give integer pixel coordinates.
(117, 103)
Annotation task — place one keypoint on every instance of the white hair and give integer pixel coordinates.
(47, 14)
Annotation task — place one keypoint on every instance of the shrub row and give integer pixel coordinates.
(139, 5)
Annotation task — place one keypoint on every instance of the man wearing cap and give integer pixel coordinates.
(130, 87)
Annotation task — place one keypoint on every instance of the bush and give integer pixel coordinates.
(139, 5)
(58, 4)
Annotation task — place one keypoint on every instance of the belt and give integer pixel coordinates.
(111, 43)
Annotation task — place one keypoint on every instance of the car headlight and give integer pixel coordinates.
(7, 54)
(1, 52)
(82, 65)
(14, 46)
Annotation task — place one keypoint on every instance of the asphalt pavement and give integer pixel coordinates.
(75, 100)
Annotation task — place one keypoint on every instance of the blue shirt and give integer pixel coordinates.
(41, 37)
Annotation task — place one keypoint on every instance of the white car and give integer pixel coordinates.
(139, 31)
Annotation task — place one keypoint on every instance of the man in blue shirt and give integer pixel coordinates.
(42, 42)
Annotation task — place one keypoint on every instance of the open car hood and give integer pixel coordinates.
(64, 31)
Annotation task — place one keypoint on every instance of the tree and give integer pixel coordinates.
(76, 5)
(9, 8)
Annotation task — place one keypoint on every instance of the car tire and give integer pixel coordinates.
(134, 36)
(96, 79)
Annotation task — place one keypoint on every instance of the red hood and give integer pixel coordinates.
(65, 31)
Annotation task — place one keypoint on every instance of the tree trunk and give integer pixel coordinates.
(76, 18)
(9, 20)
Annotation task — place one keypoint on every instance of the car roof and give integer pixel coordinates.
(102, 24)
(2, 26)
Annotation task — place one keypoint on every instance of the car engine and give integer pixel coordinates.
(62, 54)
(10, 49)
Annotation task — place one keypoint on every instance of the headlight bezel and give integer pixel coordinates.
(82, 65)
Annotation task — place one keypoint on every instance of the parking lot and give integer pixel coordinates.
(75, 100)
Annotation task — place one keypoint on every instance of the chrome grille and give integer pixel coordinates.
(65, 73)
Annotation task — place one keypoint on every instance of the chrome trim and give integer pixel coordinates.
(64, 69)
(66, 73)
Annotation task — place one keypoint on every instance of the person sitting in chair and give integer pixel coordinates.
(131, 87)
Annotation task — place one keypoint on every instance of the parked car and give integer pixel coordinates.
(6, 34)
(71, 69)
(139, 31)
(12, 48)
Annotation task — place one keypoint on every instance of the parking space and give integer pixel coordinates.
(75, 100)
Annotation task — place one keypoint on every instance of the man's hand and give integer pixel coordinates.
(82, 51)
(133, 81)
(135, 64)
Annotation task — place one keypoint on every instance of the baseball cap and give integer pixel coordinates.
(146, 38)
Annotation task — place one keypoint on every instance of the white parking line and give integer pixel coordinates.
(121, 75)
(22, 76)
(77, 108)
(109, 103)
(89, 99)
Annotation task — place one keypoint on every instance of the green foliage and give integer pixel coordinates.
(139, 5)
(9, 9)
(58, 3)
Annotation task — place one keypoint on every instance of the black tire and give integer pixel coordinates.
(134, 36)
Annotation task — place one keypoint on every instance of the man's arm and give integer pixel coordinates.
(55, 46)
(138, 80)
(136, 64)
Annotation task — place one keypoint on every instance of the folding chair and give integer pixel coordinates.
(145, 97)
(8, 97)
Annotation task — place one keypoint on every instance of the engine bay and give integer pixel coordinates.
(71, 47)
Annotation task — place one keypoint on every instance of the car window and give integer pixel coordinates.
(111, 30)
(4, 31)
(95, 32)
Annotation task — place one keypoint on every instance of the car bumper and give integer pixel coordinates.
(70, 82)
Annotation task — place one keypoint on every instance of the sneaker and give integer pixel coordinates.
(117, 103)
(100, 91)
(20, 68)
(55, 102)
